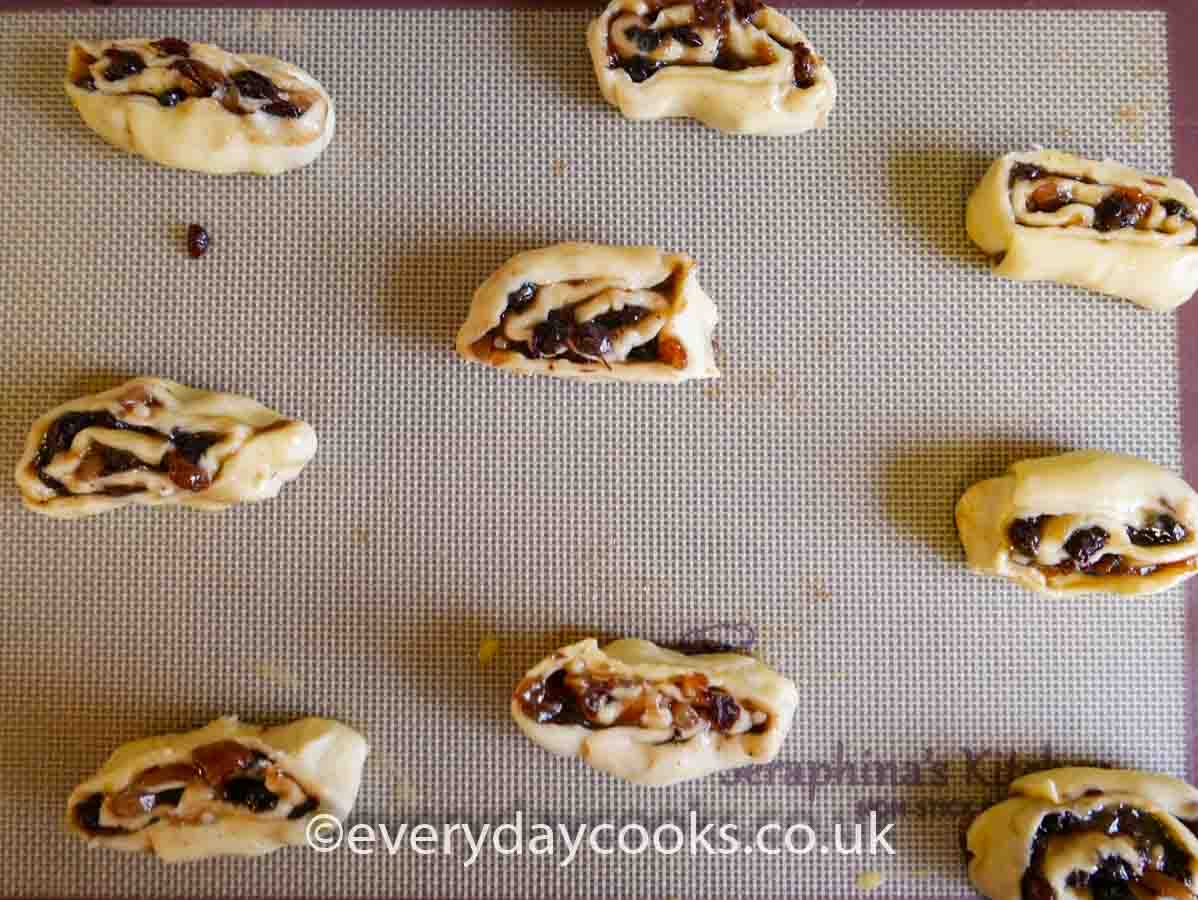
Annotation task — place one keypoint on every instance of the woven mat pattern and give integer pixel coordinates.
(873, 369)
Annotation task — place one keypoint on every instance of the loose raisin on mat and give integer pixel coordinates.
(198, 241)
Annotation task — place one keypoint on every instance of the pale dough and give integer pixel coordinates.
(1000, 839)
(1155, 266)
(591, 279)
(200, 133)
(1079, 490)
(323, 756)
(762, 98)
(650, 753)
(258, 451)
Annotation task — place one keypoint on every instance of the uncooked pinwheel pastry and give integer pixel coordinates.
(735, 65)
(157, 443)
(1088, 834)
(195, 106)
(653, 716)
(225, 789)
(593, 312)
(1050, 216)
(1082, 521)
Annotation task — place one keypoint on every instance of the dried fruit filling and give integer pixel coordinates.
(1084, 547)
(688, 704)
(219, 775)
(606, 326)
(1047, 199)
(722, 33)
(181, 462)
(242, 92)
(1161, 870)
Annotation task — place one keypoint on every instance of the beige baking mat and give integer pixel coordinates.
(872, 369)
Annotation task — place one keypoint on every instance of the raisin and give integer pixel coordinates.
(719, 709)
(730, 62)
(169, 46)
(1108, 564)
(251, 793)
(87, 812)
(1026, 172)
(169, 797)
(1047, 198)
(124, 63)
(254, 85)
(805, 65)
(710, 13)
(1122, 208)
(158, 775)
(646, 39)
(219, 760)
(1024, 535)
(646, 352)
(619, 318)
(551, 700)
(549, 338)
(284, 109)
(746, 9)
(596, 696)
(687, 36)
(671, 352)
(66, 428)
(522, 296)
(640, 68)
(592, 340)
(173, 97)
(202, 79)
(184, 474)
(1175, 208)
(198, 241)
(116, 461)
(1162, 530)
(1110, 880)
(194, 444)
(130, 803)
(86, 83)
(1085, 544)
(304, 808)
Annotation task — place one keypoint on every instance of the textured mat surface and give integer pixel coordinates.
(872, 367)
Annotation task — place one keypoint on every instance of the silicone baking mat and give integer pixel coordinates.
(800, 507)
